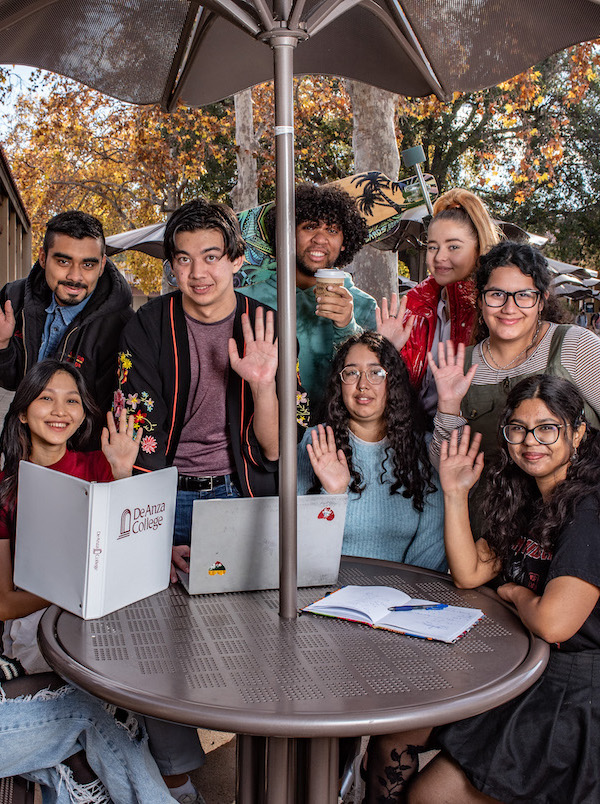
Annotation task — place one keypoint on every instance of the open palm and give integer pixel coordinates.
(329, 464)
(461, 463)
(258, 366)
(390, 321)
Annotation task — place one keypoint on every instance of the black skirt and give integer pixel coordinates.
(542, 747)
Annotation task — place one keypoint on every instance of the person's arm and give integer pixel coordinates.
(258, 367)
(580, 355)
(329, 464)
(14, 603)
(560, 612)
(471, 563)
(120, 446)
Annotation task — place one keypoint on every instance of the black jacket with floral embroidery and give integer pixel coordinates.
(154, 384)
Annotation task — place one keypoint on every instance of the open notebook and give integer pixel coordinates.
(371, 605)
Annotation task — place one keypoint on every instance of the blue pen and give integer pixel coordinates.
(426, 607)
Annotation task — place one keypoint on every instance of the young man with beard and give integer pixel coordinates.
(72, 306)
(329, 233)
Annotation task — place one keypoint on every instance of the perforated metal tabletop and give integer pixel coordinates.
(230, 663)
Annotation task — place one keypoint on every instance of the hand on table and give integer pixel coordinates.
(180, 554)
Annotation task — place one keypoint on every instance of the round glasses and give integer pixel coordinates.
(350, 376)
(543, 433)
(498, 298)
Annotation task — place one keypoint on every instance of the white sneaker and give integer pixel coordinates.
(191, 798)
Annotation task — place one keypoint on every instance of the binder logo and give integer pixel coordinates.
(125, 524)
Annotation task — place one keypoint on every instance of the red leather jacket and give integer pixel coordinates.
(422, 303)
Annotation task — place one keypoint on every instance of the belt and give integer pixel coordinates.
(191, 483)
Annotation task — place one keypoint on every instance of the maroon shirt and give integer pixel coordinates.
(204, 445)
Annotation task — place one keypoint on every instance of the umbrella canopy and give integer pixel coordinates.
(145, 51)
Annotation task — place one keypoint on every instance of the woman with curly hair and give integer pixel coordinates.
(540, 543)
(373, 445)
(518, 332)
(442, 307)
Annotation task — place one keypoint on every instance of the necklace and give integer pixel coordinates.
(497, 366)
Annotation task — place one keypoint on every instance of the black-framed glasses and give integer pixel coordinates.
(375, 375)
(522, 298)
(543, 433)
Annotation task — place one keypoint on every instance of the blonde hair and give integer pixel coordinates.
(467, 209)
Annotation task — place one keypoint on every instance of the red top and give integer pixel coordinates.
(423, 303)
(85, 465)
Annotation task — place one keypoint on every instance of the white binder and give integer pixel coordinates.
(93, 548)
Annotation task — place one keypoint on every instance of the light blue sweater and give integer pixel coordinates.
(379, 524)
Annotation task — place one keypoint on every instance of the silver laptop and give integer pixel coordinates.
(235, 543)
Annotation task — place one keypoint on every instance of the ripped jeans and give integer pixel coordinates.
(39, 731)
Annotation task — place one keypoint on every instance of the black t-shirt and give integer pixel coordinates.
(576, 553)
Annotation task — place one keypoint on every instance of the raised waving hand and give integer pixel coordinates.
(258, 366)
(461, 463)
(390, 321)
(120, 445)
(449, 374)
(329, 464)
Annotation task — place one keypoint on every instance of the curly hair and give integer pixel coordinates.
(466, 209)
(331, 205)
(15, 440)
(530, 262)
(512, 504)
(201, 214)
(405, 424)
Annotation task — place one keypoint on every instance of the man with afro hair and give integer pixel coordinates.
(329, 233)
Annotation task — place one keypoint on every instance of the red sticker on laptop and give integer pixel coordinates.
(217, 569)
(326, 513)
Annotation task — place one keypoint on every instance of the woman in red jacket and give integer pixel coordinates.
(442, 306)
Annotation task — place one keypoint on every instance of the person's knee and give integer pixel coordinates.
(441, 782)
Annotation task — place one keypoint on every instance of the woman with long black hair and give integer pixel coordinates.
(540, 540)
(373, 445)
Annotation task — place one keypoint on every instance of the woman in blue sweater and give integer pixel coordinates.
(373, 446)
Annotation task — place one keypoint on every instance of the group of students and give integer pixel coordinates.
(516, 418)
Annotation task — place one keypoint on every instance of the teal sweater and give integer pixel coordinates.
(381, 525)
(318, 337)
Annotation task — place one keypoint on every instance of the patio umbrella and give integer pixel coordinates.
(145, 51)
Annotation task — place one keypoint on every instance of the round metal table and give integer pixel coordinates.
(228, 662)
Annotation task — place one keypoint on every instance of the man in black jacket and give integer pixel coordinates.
(198, 378)
(197, 370)
(72, 306)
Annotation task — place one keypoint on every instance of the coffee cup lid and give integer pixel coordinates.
(329, 273)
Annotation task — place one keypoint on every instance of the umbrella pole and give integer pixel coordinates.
(283, 49)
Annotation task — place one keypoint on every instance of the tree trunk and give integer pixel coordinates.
(245, 193)
(375, 148)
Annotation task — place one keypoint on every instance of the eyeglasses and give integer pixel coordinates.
(543, 433)
(350, 376)
(522, 298)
